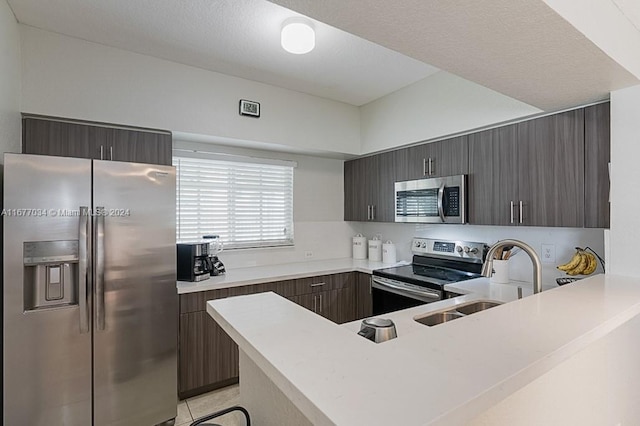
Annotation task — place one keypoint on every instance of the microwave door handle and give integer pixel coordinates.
(441, 202)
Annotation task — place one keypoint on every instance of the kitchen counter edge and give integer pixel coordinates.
(287, 271)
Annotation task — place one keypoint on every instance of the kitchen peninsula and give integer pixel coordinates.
(523, 362)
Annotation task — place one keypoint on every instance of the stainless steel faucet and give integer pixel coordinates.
(487, 267)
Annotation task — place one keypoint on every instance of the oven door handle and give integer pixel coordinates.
(441, 202)
(425, 294)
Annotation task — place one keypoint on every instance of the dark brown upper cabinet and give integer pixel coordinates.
(597, 155)
(444, 158)
(68, 138)
(493, 183)
(369, 188)
(369, 182)
(530, 173)
(551, 170)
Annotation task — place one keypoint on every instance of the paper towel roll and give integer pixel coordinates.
(375, 250)
(359, 247)
(388, 252)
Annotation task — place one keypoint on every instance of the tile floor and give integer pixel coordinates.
(198, 406)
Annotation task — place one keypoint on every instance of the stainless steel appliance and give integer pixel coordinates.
(434, 200)
(90, 304)
(435, 264)
(215, 247)
(378, 330)
(193, 262)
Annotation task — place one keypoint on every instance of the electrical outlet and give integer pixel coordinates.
(308, 254)
(548, 253)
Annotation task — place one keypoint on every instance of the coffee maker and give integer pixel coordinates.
(193, 262)
(215, 247)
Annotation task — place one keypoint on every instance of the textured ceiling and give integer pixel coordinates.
(631, 9)
(236, 37)
(520, 48)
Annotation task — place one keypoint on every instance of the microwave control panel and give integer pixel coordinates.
(452, 201)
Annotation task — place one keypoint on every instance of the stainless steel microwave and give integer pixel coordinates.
(433, 200)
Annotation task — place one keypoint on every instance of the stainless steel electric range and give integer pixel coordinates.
(435, 264)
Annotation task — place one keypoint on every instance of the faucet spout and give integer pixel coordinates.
(487, 267)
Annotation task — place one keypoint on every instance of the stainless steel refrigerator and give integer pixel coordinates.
(90, 302)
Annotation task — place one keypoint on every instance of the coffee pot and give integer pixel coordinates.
(216, 267)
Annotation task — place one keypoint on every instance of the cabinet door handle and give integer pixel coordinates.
(315, 305)
(101, 152)
(430, 166)
(424, 167)
(368, 212)
(521, 214)
(511, 210)
(320, 302)
(373, 212)
(316, 285)
(111, 153)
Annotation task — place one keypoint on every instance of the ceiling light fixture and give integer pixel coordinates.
(297, 37)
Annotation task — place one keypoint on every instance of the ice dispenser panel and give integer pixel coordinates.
(50, 274)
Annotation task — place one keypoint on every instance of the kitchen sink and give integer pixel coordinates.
(458, 312)
(439, 318)
(474, 307)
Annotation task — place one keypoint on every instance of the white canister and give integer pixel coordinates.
(500, 272)
(388, 252)
(375, 250)
(359, 247)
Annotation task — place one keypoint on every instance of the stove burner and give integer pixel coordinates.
(442, 274)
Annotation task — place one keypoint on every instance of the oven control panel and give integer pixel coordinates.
(472, 251)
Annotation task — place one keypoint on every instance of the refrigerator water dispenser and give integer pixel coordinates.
(50, 274)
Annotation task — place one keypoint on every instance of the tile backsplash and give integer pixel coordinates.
(313, 241)
(563, 239)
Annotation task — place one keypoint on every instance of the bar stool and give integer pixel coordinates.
(201, 421)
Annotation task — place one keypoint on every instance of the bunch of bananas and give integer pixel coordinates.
(582, 263)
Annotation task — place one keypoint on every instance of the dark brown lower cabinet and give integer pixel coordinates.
(208, 357)
(364, 304)
(337, 305)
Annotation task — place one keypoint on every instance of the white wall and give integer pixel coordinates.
(318, 206)
(604, 23)
(564, 239)
(436, 106)
(10, 123)
(69, 77)
(625, 182)
(597, 386)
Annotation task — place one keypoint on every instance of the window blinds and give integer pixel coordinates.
(247, 203)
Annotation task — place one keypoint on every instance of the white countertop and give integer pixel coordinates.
(287, 271)
(483, 286)
(444, 375)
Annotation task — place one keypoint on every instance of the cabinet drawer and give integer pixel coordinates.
(194, 302)
(322, 283)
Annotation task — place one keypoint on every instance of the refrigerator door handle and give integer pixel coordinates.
(83, 265)
(99, 241)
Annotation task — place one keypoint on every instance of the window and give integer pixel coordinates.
(247, 201)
